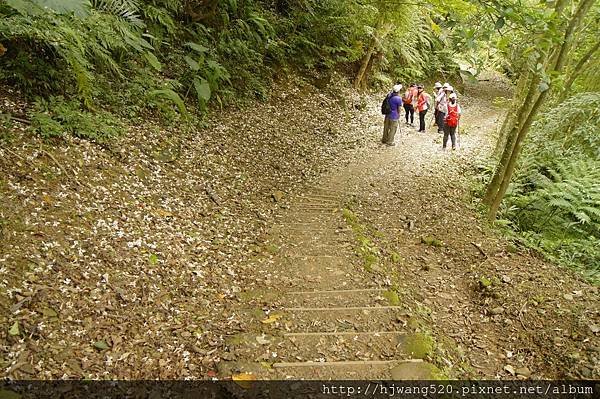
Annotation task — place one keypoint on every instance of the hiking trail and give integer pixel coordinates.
(212, 258)
(375, 273)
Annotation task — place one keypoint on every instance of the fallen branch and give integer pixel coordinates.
(22, 120)
(16, 118)
(16, 155)
(520, 316)
(61, 167)
(212, 195)
(481, 251)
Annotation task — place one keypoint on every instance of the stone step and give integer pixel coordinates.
(312, 239)
(331, 347)
(318, 202)
(357, 370)
(336, 298)
(342, 319)
(312, 190)
(311, 246)
(319, 346)
(369, 371)
(314, 227)
(319, 196)
(308, 212)
(295, 279)
(300, 215)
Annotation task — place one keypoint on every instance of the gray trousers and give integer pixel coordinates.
(440, 120)
(389, 131)
(449, 131)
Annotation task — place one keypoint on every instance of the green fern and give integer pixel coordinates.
(128, 10)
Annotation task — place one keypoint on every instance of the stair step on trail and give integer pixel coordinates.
(319, 347)
(320, 197)
(342, 346)
(336, 298)
(343, 319)
(344, 370)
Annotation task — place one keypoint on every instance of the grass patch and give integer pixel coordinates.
(418, 345)
(366, 248)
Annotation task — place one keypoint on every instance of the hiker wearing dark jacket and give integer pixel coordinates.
(390, 124)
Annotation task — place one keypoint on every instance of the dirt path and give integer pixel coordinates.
(383, 270)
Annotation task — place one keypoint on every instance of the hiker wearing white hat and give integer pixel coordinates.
(391, 109)
(441, 105)
(437, 89)
(451, 120)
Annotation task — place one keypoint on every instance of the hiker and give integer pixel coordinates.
(437, 87)
(407, 101)
(441, 101)
(391, 109)
(423, 105)
(451, 120)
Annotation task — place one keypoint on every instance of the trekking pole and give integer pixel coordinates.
(458, 134)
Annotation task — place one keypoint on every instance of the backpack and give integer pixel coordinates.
(407, 97)
(386, 108)
(452, 117)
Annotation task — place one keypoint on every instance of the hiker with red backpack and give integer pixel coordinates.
(451, 120)
(391, 106)
(407, 100)
(423, 105)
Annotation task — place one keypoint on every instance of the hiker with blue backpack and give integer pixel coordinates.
(391, 106)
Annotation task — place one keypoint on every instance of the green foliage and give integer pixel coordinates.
(125, 9)
(554, 202)
(64, 51)
(57, 117)
(39, 7)
(205, 73)
(172, 96)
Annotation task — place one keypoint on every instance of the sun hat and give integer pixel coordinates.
(450, 88)
(446, 85)
(397, 88)
(452, 95)
(437, 85)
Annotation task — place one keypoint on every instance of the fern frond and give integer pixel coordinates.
(128, 10)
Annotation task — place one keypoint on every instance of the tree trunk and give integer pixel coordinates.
(513, 157)
(514, 127)
(381, 31)
(519, 119)
(511, 115)
(579, 67)
(557, 63)
(364, 63)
